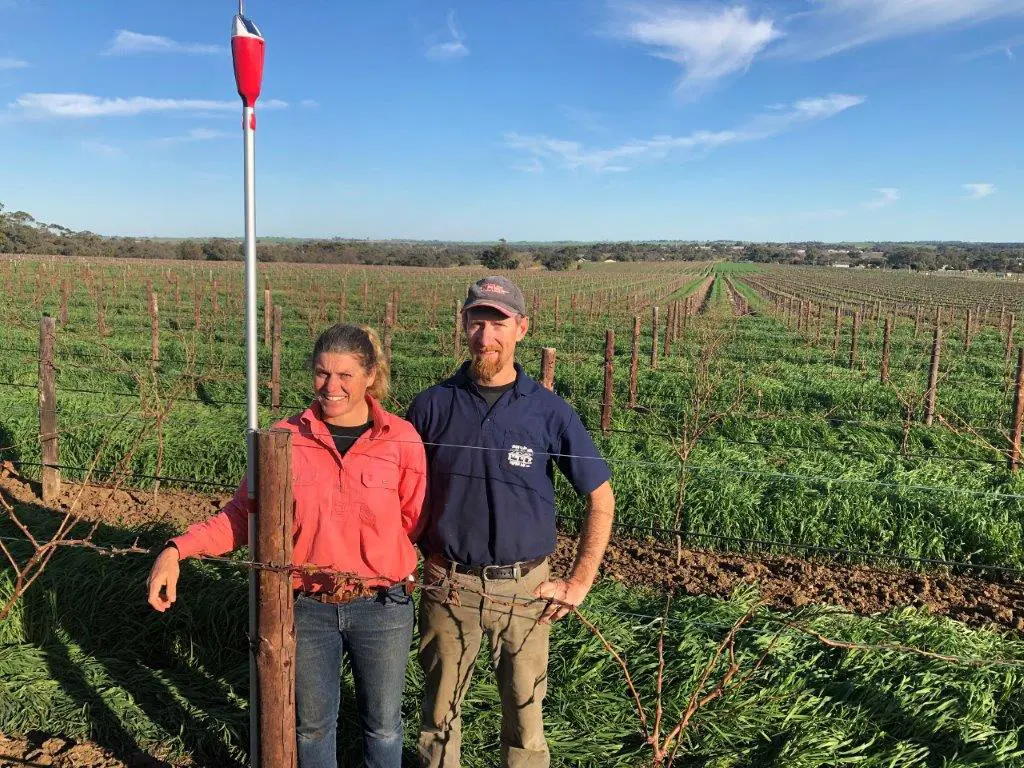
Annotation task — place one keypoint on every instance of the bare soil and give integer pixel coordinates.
(40, 749)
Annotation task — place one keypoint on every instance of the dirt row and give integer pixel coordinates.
(40, 749)
(786, 582)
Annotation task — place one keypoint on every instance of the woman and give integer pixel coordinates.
(358, 480)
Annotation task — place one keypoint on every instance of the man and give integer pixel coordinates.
(492, 436)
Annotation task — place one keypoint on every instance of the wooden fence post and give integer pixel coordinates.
(933, 377)
(458, 331)
(886, 344)
(275, 637)
(48, 410)
(1009, 335)
(1018, 412)
(853, 338)
(609, 367)
(275, 364)
(654, 337)
(154, 329)
(65, 297)
(839, 325)
(669, 322)
(101, 313)
(547, 368)
(389, 319)
(634, 362)
(268, 312)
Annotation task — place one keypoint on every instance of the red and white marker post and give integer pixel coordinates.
(247, 49)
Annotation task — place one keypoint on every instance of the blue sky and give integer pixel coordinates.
(540, 120)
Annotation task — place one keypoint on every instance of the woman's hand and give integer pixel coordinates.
(163, 579)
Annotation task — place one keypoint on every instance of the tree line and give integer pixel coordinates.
(21, 233)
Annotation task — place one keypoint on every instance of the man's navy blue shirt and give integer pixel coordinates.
(493, 503)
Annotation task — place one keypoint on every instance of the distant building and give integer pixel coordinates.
(841, 265)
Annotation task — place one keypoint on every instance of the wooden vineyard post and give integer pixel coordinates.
(197, 301)
(154, 329)
(967, 330)
(817, 333)
(1018, 412)
(48, 410)
(839, 326)
(685, 318)
(917, 323)
(536, 312)
(215, 300)
(1002, 316)
(654, 337)
(557, 323)
(458, 331)
(853, 339)
(609, 367)
(886, 342)
(1009, 335)
(275, 364)
(65, 296)
(342, 305)
(634, 361)
(547, 368)
(101, 314)
(933, 377)
(394, 310)
(268, 312)
(275, 636)
(365, 296)
(669, 320)
(389, 319)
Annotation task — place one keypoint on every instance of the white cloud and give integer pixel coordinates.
(196, 134)
(885, 196)
(9, 62)
(101, 148)
(574, 155)
(1004, 47)
(126, 43)
(837, 25)
(708, 43)
(451, 49)
(978, 190)
(78, 105)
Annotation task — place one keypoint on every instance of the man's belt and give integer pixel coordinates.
(493, 572)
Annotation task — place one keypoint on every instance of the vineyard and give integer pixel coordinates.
(819, 551)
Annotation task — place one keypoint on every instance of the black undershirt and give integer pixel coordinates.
(492, 394)
(345, 437)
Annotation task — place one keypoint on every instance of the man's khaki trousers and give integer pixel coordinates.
(452, 624)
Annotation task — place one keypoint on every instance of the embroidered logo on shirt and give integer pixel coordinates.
(493, 288)
(520, 456)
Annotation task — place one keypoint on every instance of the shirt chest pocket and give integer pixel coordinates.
(521, 453)
(379, 480)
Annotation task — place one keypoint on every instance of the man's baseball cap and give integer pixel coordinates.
(496, 293)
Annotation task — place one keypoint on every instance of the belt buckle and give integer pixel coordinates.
(517, 571)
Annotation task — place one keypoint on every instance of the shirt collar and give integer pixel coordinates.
(313, 417)
(522, 386)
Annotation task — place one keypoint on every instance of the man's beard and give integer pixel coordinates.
(485, 367)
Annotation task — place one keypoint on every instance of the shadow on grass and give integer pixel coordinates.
(184, 672)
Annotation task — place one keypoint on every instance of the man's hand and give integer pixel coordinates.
(566, 593)
(163, 577)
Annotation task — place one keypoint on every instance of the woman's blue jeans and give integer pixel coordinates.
(376, 634)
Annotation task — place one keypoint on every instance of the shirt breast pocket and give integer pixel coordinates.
(380, 480)
(521, 453)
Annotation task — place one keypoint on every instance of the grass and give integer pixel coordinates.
(85, 656)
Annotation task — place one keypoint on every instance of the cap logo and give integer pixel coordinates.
(493, 288)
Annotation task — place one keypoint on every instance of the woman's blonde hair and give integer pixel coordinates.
(363, 342)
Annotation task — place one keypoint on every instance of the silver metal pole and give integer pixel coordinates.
(252, 414)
